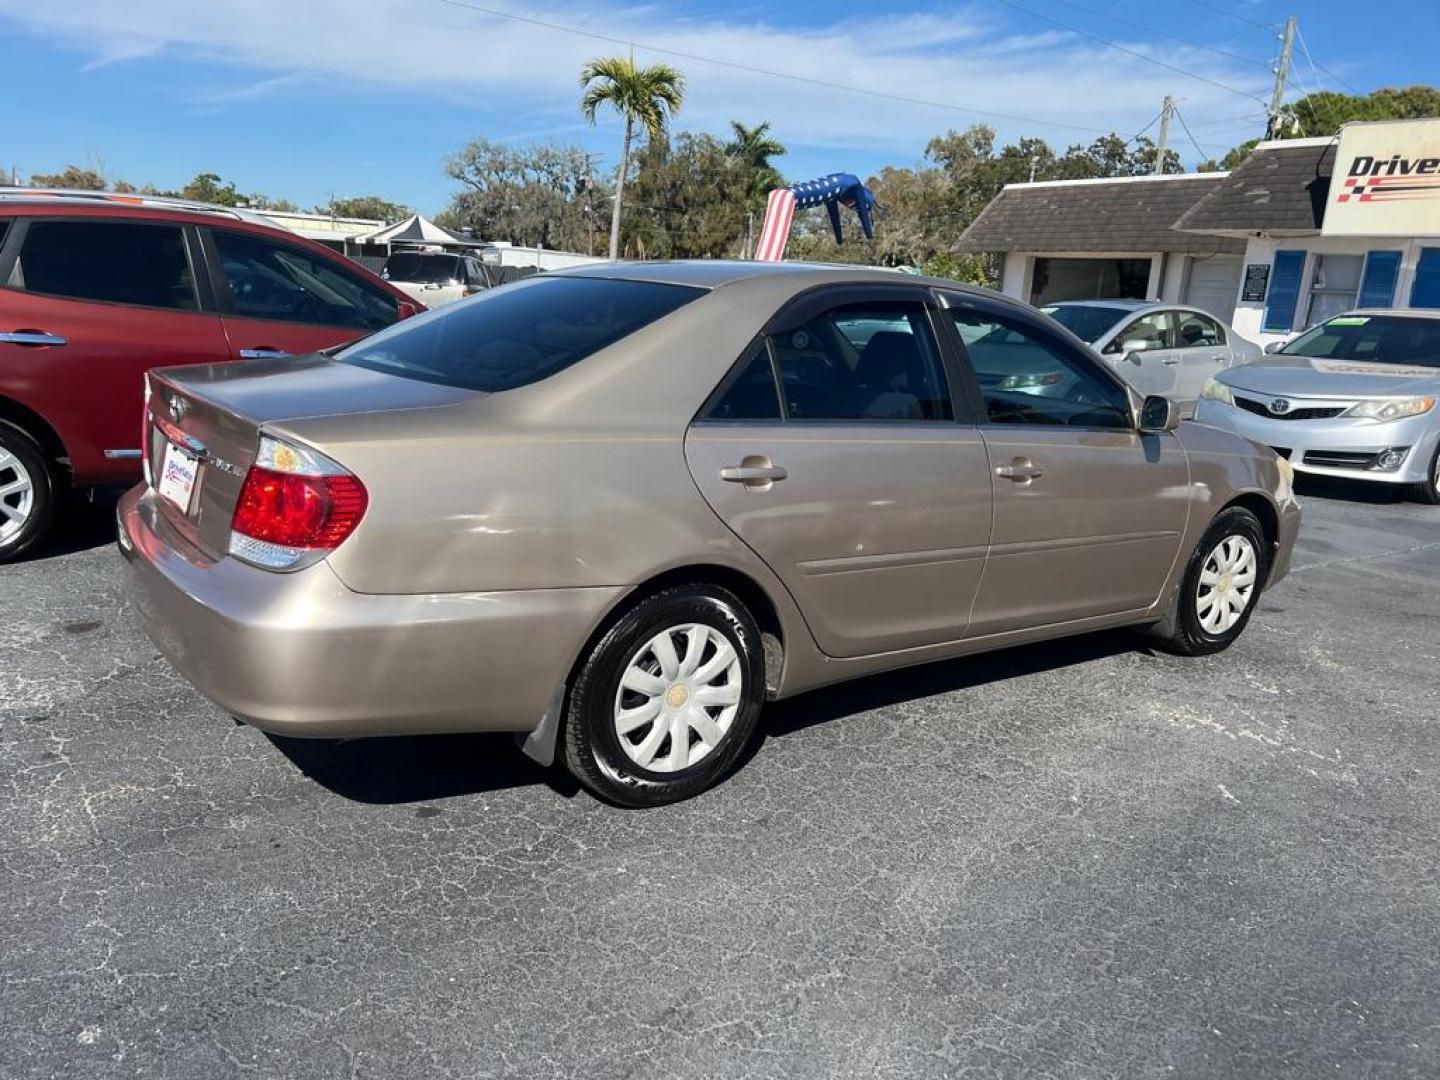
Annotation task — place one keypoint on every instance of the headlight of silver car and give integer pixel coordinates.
(1215, 390)
(1395, 409)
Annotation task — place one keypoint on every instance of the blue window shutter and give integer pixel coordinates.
(1284, 294)
(1426, 291)
(1377, 287)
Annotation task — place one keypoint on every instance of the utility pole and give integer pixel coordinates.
(1162, 141)
(1282, 72)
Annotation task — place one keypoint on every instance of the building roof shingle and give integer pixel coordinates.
(1129, 215)
(1279, 189)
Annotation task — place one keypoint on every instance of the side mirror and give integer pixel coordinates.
(1158, 415)
(1134, 345)
(1274, 347)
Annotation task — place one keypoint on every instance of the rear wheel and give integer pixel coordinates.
(667, 699)
(28, 492)
(1428, 491)
(1221, 585)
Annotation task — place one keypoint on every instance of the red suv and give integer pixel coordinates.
(97, 289)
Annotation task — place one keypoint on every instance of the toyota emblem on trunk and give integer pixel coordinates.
(179, 407)
(1279, 405)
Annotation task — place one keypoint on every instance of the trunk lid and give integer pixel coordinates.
(215, 413)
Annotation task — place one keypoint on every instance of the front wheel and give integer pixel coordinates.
(28, 492)
(666, 700)
(1222, 582)
(1428, 490)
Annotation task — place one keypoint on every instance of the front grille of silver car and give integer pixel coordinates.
(1260, 408)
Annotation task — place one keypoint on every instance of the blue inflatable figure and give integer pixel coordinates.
(835, 190)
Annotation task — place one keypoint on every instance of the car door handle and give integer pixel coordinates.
(1021, 471)
(262, 352)
(1170, 361)
(32, 337)
(757, 473)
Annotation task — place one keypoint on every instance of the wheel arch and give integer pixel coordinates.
(38, 428)
(1263, 509)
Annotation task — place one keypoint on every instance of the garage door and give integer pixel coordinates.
(1214, 281)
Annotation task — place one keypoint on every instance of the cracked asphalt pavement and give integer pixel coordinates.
(1082, 859)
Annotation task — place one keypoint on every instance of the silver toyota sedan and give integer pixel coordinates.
(617, 509)
(1354, 397)
(1158, 348)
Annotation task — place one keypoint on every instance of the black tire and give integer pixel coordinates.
(45, 489)
(1181, 630)
(1428, 491)
(592, 748)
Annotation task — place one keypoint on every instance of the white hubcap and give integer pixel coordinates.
(17, 495)
(678, 697)
(1227, 584)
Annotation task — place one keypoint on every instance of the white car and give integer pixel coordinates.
(436, 278)
(1166, 349)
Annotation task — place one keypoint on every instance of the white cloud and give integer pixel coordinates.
(959, 55)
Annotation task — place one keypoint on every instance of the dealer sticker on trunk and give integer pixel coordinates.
(177, 478)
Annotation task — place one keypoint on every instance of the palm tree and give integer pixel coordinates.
(647, 95)
(754, 147)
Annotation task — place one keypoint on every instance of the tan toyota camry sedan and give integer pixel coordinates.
(616, 510)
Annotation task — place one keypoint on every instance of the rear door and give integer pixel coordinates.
(856, 482)
(279, 299)
(1203, 351)
(1088, 511)
(89, 304)
(1143, 353)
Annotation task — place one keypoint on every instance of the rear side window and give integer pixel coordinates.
(419, 268)
(109, 261)
(520, 334)
(752, 395)
(276, 281)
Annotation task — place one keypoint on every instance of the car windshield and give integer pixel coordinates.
(517, 334)
(412, 266)
(1085, 321)
(1375, 339)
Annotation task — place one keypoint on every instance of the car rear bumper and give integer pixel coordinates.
(1335, 447)
(300, 654)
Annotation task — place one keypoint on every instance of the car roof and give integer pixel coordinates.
(1407, 313)
(718, 273)
(1124, 305)
(127, 202)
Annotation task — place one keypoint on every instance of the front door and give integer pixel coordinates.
(1088, 511)
(1204, 352)
(1144, 354)
(834, 452)
(279, 299)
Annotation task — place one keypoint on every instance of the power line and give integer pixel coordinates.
(752, 69)
(1133, 52)
(1272, 27)
(1173, 37)
(1190, 135)
(1322, 67)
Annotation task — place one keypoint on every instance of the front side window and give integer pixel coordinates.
(1028, 377)
(275, 281)
(1199, 331)
(519, 334)
(865, 361)
(108, 261)
(1145, 334)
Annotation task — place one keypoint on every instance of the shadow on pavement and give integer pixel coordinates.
(1334, 487)
(419, 768)
(943, 677)
(85, 522)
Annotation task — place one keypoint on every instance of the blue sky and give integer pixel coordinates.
(307, 99)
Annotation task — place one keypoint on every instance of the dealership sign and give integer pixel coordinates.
(1386, 180)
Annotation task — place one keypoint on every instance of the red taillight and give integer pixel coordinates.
(297, 511)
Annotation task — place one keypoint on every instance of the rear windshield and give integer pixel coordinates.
(1086, 322)
(1375, 339)
(519, 333)
(422, 269)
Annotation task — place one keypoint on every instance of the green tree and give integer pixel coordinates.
(688, 199)
(372, 207)
(754, 146)
(72, 177)
(648, 96)
(209, 188)
(1325, 112)
(541, 194)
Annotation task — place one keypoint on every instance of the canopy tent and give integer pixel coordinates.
(415, 231)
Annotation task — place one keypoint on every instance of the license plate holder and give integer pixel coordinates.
(178, 473)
